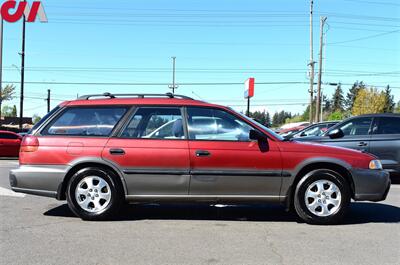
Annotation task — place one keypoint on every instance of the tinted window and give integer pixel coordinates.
(8, 136)
(86, 121)
(388, 125)
(316, 130)
(42, 120)
(213, 124)
(155, 123)
(359, 126)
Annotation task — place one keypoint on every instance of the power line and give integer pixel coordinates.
(374, 3)
(365, 38)
(181, 83)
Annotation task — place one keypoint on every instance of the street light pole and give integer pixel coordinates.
(21, 103)
(173, 86)
(311, 63)
(321, 45)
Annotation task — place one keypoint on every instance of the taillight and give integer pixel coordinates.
(29, 144)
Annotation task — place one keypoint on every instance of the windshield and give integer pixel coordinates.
(260, 125)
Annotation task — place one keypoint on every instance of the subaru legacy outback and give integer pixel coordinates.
(100, 151)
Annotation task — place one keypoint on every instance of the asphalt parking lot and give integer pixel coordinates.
(35, 230)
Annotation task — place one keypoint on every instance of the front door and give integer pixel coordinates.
(225, 163)
(152, 152)
(357, 134)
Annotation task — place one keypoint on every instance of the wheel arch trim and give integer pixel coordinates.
(308, 165)
(82, 162)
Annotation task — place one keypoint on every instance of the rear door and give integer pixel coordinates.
(357, 134)
(385, 142)
(224, 162)
(152, 151)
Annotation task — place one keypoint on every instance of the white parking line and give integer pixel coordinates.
(10, 193)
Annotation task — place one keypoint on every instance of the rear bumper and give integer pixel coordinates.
(38, 180)
(370, 185)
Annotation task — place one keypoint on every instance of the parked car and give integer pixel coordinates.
(292, 128)
(98, 153)
(378, 134)
(317, 129)
(9, 144)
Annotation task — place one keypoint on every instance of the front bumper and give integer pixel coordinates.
(370, 185)
(38, 180)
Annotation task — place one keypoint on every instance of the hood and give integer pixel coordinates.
(328, 150)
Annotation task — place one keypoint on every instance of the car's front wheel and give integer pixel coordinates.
(322, 197)
(94, 194)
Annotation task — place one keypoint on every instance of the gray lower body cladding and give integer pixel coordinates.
(46, 180)
(370, 185)
(42, 180)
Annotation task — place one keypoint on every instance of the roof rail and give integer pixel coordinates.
(109, 95)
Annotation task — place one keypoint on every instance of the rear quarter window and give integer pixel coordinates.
(388, 125)
(86, 121)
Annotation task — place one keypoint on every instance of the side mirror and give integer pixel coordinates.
(335, 134)
(257, 136)
(303, 134)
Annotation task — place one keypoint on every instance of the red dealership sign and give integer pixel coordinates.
(249, 88)
(12, 11)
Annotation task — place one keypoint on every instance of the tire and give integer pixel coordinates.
(94, 194)
(322, 197)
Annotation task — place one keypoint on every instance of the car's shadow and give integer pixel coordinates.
(359, 213)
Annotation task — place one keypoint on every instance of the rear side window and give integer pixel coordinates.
(388, 125)
(86, 121)
(155, 123)
(49, 114)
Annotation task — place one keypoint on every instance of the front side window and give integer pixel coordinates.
(86, 121)
(216, 125)
(155, 123)
(388, 125)
(358, 126)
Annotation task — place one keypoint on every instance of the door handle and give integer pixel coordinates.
(117, 151)
(200, 153)
(362, 144)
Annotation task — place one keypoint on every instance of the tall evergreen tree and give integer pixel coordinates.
(267, 120)
(389, 100)
(275, 121)
(14, 111)
(338, 99)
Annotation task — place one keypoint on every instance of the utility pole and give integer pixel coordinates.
(321, 45)
(21, 103)
(48, 100)
(173, 86)
(311, 63)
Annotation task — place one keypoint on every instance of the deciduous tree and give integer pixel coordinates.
(6, 93)
(367, 101)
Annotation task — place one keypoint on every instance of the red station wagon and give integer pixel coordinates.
(102, 150)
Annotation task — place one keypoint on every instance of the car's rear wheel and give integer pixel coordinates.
(322, 197)
(94, 194)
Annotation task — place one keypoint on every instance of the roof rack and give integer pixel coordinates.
(109, 95)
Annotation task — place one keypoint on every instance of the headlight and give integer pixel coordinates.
(375, 164)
